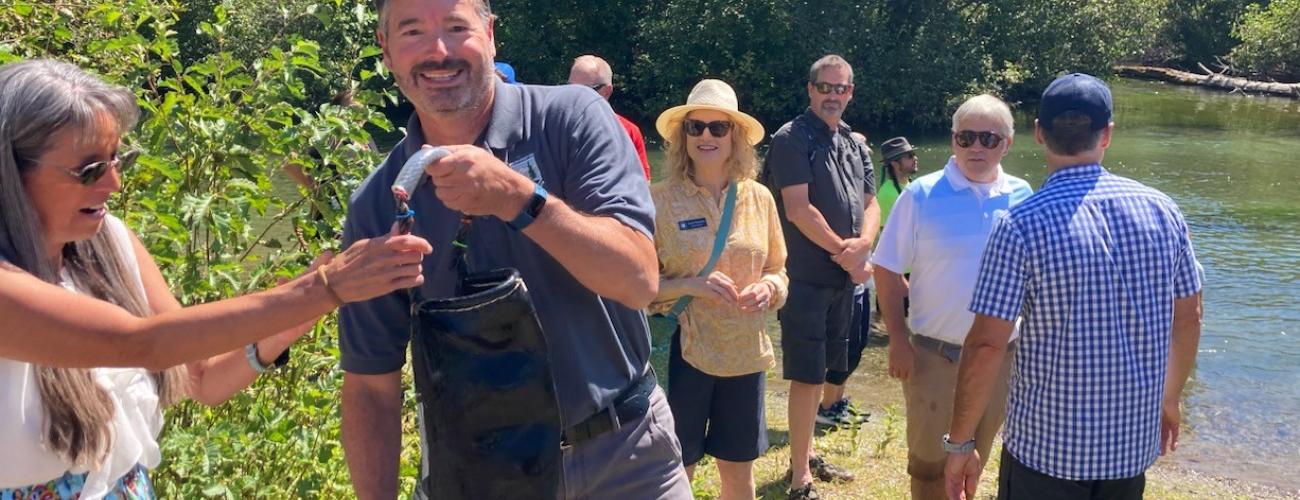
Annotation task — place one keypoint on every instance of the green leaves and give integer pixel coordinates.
(228, 94)
(1270, 40)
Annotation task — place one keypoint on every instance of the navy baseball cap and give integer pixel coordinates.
(1076, 92)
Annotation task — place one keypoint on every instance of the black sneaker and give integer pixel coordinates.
(829, 417)
(850, 412)
(805, 493)
(840, 414)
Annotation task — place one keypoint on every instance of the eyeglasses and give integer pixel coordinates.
(90, 173)
(967, 138)
(826, 88)
(597, 86)
(695, 128)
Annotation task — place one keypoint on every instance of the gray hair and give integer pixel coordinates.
(829, 61)
(986, 106)
(482, 7)
(39, 99)
(603, 72)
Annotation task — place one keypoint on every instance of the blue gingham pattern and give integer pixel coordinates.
(1092, 263)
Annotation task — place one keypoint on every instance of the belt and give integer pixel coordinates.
(630, 405)
(950, 351)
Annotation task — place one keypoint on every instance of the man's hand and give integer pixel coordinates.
(901, 357)
(962, 475)
(756, 297)
(472, 181)
(854, 259)
(1170, 420)
(854, 253)
(861, 273)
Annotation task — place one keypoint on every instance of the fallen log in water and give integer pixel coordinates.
(1210, 79)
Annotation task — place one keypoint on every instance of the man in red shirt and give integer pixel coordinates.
(594, 72)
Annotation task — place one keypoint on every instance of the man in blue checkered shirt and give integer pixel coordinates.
(1102, 270)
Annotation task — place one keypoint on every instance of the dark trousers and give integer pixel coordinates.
(1018, 482)
(859, 331)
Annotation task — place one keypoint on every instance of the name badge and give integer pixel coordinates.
(528, 166)
(684, 225)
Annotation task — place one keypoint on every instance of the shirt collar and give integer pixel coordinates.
(505, 128)
(959, 181)
(507, 124)
(819, 124)
(1075, 172)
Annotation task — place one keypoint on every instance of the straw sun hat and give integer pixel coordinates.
(714, 95)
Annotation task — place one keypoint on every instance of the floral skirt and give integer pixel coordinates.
(133, 486)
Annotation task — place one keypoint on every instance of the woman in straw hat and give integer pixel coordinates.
(720, 350)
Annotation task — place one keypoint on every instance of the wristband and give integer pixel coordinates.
(531, 210)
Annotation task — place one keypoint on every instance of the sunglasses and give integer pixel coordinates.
(90, 173)
(967, 138)
(826, 88)
(695, 128)
(597, 86)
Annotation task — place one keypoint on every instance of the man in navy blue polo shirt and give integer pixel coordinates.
(558, 194)
(1102, 270)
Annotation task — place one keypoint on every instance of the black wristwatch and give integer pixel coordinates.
(531, 209)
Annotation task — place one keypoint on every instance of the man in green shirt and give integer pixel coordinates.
(900, 165)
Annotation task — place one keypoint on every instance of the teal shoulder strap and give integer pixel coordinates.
(719, 242)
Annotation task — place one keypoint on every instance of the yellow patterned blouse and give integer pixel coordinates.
(718, 338)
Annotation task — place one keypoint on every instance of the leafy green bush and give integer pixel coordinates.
(1195, 31)
(209, 201)
(1270, 40)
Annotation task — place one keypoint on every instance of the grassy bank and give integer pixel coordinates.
(877, 451)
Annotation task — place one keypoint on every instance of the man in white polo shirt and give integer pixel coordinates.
(938, 229)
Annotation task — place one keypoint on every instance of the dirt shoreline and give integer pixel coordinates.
(872, 390)
(872, 387)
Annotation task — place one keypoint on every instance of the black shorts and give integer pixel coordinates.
(815, 331)
(1018, 482)
(719, 416)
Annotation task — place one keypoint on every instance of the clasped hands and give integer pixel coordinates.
(718, 287)
(853, 258)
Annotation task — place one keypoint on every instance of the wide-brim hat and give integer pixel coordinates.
(712, 95)
(895, 148)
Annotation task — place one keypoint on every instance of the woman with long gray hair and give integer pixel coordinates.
(78, 291)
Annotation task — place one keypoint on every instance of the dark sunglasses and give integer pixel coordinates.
(695, 128)
(826, 88)
(967, 138)
(90, 173)
(597, 86)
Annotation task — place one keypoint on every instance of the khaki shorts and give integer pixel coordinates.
(929, 394)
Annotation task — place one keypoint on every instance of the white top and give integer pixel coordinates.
(938, 228)
(137, 419)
